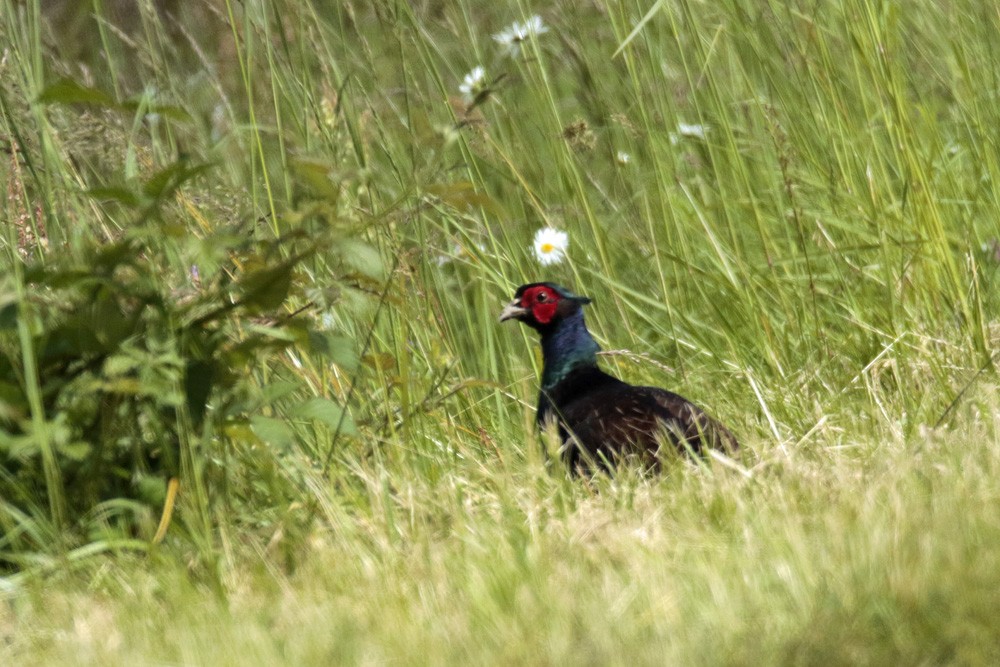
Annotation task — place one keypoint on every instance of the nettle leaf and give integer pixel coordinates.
(318, 175)
(13, 402)
(57, 279)
(74, 337)
(363, 257)
(68, 91)
(329, 412)
(239, 430)
(152, 489)
(19, 447)
(272, 431)
(463, 196)
(338, 349)
(284, 334)
(8, 314)
(124, 385)
(121, 364)
(170, 111)
(115, 254)
(167, 180)
(267, 288)
(199, 376)
(277, 390)
(109, 324)
(75, 451)
(380, 361)
(119, 194)
(443, 190)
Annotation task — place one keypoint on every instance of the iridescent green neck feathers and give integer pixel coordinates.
(566, 347)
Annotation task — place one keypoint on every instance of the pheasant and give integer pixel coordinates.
(601, 419)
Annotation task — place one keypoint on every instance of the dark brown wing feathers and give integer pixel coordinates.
(620, 421)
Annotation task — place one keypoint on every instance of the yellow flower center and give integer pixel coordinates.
(547, 248)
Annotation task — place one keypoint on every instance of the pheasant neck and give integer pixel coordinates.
(566, 347)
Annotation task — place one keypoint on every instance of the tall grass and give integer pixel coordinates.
(802, 239)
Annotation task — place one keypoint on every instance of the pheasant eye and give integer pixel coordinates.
(542, 297)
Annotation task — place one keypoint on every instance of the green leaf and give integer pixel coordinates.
(75, 451)
(124, 385)
(164, 182)
(317, 174)
(114, 254)
(277, 390)
(68, 91)
(57, 279)
(13, 402)
(109, 325)
(119, 194)
(19, 446)
(277, 333)
(449, 189)
(462, 196)
(326, 411)
(272, 431)
(199, 376)
(363, 257)
(121, 364)
(338, 349)
(381, 361)
(152, 489)
(166, 110)
(8, 315)
(267, 288)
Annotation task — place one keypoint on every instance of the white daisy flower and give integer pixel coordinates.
(550, 245)
(513, 36)
(473, 84)
(692, 131)
(623, 158)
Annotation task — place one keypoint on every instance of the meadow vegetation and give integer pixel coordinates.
(261, 248)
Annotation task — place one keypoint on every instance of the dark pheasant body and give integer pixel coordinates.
(600, 418)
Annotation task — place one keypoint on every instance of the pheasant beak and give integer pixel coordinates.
(513, 311)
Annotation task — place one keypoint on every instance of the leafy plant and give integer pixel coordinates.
(136, 367)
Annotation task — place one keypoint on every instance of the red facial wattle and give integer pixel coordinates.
(542, 302)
